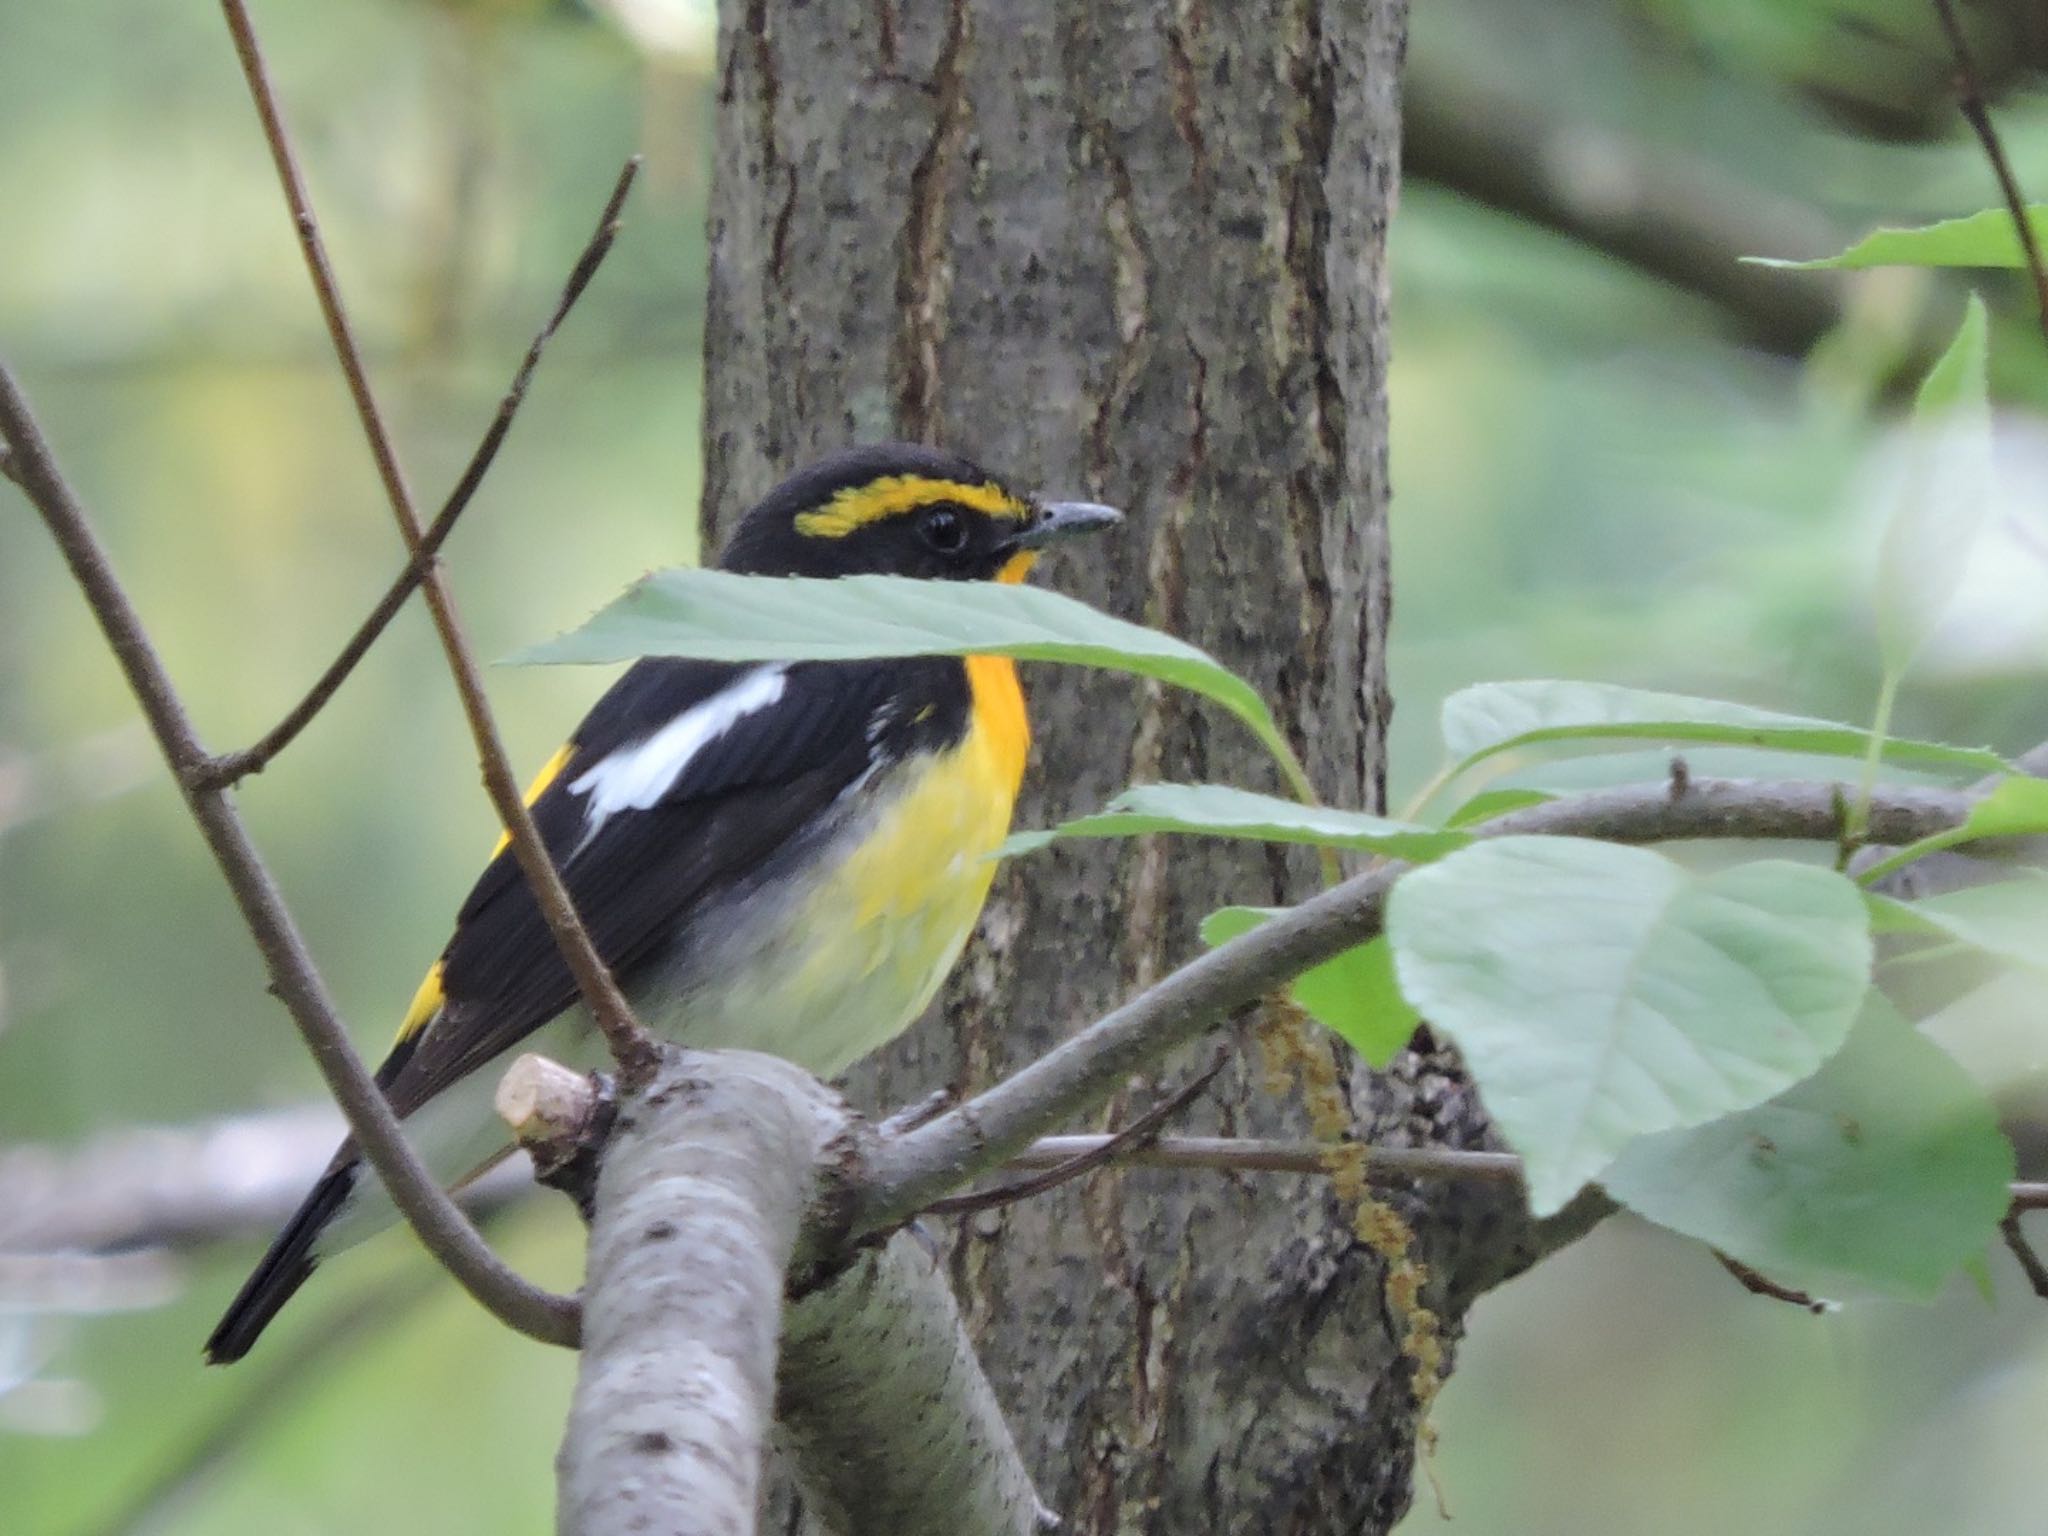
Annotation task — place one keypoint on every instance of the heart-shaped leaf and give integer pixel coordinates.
(1600, 993)
(1886, 1168)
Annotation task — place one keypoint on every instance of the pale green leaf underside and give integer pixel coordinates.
(1985, 239)
(2007, 919)
(1885, 1169)
(1353, 994)
(1490, 718)
(1217, 810)
(1600, 993)
(1942, 492)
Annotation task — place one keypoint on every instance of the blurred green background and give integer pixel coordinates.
(1617, 455)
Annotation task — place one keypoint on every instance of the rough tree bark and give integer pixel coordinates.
(1134, 252)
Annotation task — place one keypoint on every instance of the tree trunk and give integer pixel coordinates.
(1134, 252)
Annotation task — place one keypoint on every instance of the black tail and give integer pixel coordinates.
(282, 1270)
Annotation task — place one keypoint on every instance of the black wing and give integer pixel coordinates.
(635, 878)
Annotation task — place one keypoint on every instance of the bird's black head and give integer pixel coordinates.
(901, 510)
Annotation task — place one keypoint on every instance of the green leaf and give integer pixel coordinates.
(1353, 993)
(1979, 1272)
(1600, 993)
(2007, 919)
(1888, 917)
(722, 616)
(1956, 381)
(1496, 802)
(1217, 810)
(1886, 1169)
(1483, 721)
(2015, 807)
(1943, 495)
(1985, 239)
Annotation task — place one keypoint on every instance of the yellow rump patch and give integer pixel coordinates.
(859, 505)
(550, 772)
(425, 1004)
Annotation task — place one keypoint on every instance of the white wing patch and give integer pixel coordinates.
(634, 778)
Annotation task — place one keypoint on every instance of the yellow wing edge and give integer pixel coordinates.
(427, 1001)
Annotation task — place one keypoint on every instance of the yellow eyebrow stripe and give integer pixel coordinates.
(859, 505)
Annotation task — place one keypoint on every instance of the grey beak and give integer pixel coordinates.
(1062, 519)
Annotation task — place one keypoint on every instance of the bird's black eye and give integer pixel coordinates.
(943, 529)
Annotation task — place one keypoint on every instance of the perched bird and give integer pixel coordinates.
(787, 858)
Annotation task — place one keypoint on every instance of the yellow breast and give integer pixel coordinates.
(998, 720)
(877, 936)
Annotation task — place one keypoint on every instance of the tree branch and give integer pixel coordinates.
(1757, 1283)
(630, 1045)
(294, 978)
(717, 1182)
(700, 1199)
(183, 1186)
(2030, 1262)
(232, 767)
(890, 1422)
(1121, 1146)
(1249, 1154)
(1970, 98)
(910, 1171)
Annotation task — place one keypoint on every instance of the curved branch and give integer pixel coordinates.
(181, 1186)
(295, 979)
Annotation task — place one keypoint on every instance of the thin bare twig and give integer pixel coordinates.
(630, 1046)
(232, 767)
(168, 1187)
(1249, 1154)
(1118, 1144)
(1757, 1283)
(294, 978)
(2030, 1262)
(1970, 99)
